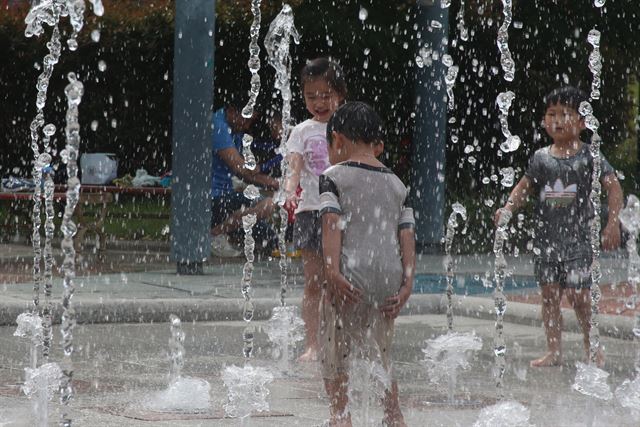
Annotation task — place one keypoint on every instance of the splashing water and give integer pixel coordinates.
(504, 101)
(285, 329)
(40, 385)
(41, 13)
(592, 381)
(254, 59)
(446, 354)
(368, 381)
(176, 348)
(248, 221)
(506, 61)
(452, 224)
(277, 44)
(247, 390)
(463, 32)
(450, 79)
(628, 394)
(191, 395)
(183, 394)
(74, 92)
(586, 110)
(595, 62)
(44, 13)
(508, 176)
(504, 414)
(30, 326)
(500, 301)
(630, 220)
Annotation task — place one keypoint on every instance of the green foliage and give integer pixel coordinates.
(548, 42)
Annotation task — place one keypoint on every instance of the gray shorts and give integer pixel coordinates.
(575, 273)
(307, 231)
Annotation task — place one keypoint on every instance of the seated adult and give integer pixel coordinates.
(227, 205)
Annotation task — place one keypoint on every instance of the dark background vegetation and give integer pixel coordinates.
(131, 99)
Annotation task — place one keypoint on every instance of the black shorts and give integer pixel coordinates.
(307, 231)
(575, 273)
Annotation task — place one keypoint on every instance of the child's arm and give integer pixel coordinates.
(394, 304)
(339, 286)
(517, 198)
(611, 232)
(235, 162)
(296, 162)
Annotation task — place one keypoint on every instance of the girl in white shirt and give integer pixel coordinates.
(323, 89)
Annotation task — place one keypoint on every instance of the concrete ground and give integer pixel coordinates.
(121, 355)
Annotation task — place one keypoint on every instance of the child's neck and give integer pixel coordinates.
(363, 153)
(566, 148)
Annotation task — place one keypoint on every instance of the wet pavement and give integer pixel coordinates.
(122, 348)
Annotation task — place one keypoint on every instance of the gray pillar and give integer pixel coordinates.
(430, 133)
(192, 109)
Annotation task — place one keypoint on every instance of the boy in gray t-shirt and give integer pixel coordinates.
(560, 175)
(369, 252)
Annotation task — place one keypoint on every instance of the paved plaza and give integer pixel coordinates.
(122, 351)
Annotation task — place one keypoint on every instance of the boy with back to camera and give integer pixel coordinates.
(369, 257)
(560, 174)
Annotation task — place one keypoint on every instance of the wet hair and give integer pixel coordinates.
(565, 95)
(357, 121)
(326, 69)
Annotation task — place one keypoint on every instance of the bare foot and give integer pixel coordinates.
(549, 359)
(600, 359)
(310, 355)
(340, 421)
(395, 420)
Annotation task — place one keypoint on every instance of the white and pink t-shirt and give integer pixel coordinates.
(309, 139)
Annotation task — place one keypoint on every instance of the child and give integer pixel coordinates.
(561, 175)
(369, 256)
(323, 89)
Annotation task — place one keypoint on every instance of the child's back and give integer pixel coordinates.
(371, 201)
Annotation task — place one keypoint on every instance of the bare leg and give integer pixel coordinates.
(263, 209)
(338, 399)
(580, 299)
(392, 413)
(313, 278)
(552, 320)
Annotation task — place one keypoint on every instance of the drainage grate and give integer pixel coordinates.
(80, 387)
(466, 401)
(147, 415)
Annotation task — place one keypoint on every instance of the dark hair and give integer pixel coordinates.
(566, 95)
(326, 69)
(357, 121)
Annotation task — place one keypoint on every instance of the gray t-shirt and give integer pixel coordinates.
(563, 208)
(372, 204)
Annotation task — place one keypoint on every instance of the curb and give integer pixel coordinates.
(230, 309)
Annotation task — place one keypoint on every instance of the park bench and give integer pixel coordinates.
(100, 196)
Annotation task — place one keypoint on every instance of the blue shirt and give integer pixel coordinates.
(223, 138)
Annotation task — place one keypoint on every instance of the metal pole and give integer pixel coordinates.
(192, 152)
(429, 137)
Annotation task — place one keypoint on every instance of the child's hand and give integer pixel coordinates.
(342, 290)
(611, 237)
(292, 202)
(394, 304)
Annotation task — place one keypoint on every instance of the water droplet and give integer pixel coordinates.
(363, 14)
(508, 175)
(94, 125)
(102, 66)
(95, 35)
(49, 129)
